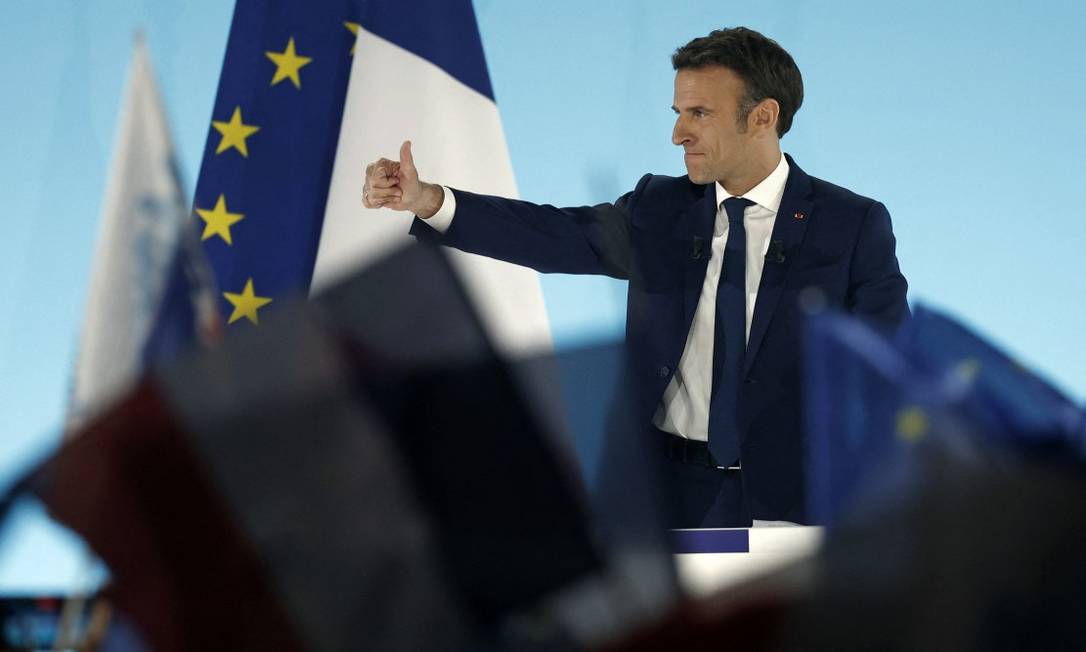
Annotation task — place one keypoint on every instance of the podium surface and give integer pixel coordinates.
(711, 559)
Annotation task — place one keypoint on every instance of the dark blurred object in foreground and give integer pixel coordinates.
(955, 485)
(980, 559)
(976, 561)
(359, 471)
(873, 402)
(956, 480)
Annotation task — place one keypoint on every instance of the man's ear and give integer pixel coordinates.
(765, 114)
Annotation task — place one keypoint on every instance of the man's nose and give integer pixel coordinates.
(679, 134)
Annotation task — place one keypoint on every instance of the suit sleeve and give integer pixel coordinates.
(580, 240)
(877, 288)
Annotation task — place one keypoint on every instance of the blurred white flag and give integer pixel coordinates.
(140, 301)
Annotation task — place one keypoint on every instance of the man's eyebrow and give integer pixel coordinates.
(691, 109)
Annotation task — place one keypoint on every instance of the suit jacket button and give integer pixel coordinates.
(750, 381)
(664, 372)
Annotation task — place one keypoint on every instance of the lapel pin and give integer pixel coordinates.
(799, 216)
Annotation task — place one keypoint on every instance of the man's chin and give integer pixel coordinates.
(698, 177)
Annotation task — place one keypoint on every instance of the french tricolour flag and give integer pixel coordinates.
(419, 73)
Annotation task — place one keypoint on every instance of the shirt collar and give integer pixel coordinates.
(767, 193)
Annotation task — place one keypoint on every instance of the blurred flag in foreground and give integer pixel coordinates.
(1015, 405)
(295, 123)
(872, 404)
(150, 291)
(864, 404)
(315, 484)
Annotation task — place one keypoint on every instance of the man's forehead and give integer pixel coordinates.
(703, 87)
(707, 77)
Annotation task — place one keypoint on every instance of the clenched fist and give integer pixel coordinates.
(396, 185)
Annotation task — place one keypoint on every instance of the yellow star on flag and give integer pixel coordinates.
(354, 27)
(968, 369)
(245, 304)
(912, 424)
(234, 133)
(287, 64)
(219, 220)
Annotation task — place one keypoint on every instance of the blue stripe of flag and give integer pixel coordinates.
(444, 32)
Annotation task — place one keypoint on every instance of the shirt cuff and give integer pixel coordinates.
(442, 219)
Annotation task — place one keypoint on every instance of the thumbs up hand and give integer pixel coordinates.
(396, 185)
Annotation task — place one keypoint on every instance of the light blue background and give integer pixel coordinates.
(964, 118)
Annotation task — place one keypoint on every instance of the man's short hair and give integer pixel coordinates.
(767, 70)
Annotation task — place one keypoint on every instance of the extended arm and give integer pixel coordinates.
(582, 240)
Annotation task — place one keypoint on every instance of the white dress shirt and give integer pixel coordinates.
(442, 219)
(684, 408)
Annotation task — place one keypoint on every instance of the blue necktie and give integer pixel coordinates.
(730, 340)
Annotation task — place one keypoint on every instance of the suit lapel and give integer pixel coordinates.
(697, 222)
(788, 228)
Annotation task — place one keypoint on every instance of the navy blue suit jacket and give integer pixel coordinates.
(825, 238)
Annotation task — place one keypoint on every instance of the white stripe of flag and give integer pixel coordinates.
(457, 138)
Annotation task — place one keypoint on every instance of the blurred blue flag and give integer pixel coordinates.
(1015, 406)
(865, 403)
(873, 402)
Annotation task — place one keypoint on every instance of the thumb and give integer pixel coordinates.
(406, 160)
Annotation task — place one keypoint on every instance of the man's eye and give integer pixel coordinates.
(699, 114)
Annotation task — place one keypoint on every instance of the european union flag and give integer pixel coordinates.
(1016, 406)
(865, 403)
(870, 401)
(271, 146)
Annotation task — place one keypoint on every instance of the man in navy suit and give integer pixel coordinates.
(718, 262)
